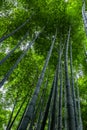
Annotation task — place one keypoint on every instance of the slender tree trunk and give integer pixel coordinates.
(23, 114)
(39, 120)
(64, 99)
(30, 109)
(11, 52)
(51, 108)
(47, 108)
(70, 110)
(80, 127)
(84, 16)
(18, 60)
(41, 105)
(72, 88)
(65, 109)
(60, 100)
(52, 125)
(57, 106)
(12, 122)
(27, 102)
(40, 116)
(53, 121)
(10, 119)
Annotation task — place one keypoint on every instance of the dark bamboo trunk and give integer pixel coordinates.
(30, 109)
(84, 16)
(73, 89)
(10, 119)
(23, 114)
(60, 100)
(47, 108)
(18, 60)
(12, 122)
(54, 119)
(41, 105)
(80, 127)
(52, 125)
(70, 110)
(65, 109)
(12, 51)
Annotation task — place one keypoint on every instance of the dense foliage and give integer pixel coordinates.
(51, 15)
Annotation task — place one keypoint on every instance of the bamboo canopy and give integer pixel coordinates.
(54, 103)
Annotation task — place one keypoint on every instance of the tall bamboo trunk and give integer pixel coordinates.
(41, 105)
(18, 60)
(70, 110)
(52, 125)
(80, 126)
(23, 113)
(65, 109)
(51, 108)
(53, 121)
(12, 122)
(12, 51)
(30, 109)
(10, 119)
(60, 100)
(73, 89)
(84, 16)
(47, 107)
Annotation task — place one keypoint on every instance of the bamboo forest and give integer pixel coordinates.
(43, 64)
